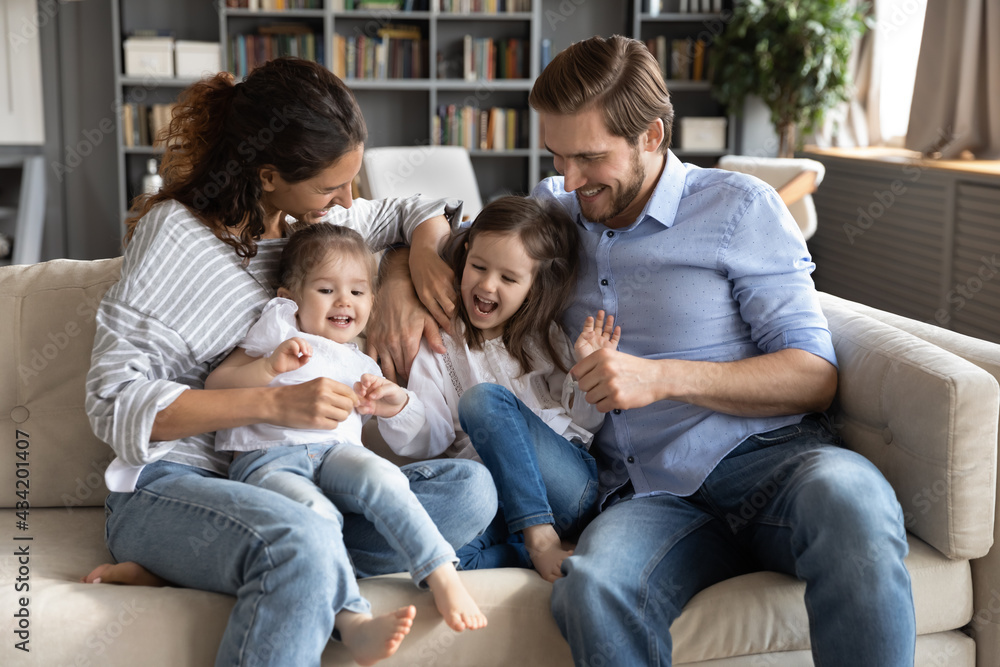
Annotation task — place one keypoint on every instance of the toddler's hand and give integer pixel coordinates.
(292, 354)
(596, 335)
(379, 396)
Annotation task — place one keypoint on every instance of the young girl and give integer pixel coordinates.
(502, 390)
(327, 277)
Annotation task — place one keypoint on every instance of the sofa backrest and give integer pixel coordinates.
(47, 316)
(926, 417)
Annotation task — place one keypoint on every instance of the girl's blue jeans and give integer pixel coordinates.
(790, 500)
(288, 567)
(540, 476)
(340, 479)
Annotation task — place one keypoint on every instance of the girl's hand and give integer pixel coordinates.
(378, 396)
(291, 355)
(599, 334)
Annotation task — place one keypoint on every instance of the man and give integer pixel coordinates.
(725, 358)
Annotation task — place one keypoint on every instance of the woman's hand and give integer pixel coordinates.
(379, 397)
(321, 403)
(597, 335)
(399, 320)
(432, 277)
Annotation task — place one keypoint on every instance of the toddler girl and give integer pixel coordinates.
(502, 390)
(327, 277)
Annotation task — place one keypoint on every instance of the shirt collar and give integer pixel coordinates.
(662, 205)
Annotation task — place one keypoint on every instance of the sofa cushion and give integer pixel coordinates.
(80, 624)
(47, 316)
(928, 419)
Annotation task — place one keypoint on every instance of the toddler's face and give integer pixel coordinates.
(496, 280)
(335, 299)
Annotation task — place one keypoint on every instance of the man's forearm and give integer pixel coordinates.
(789, 381)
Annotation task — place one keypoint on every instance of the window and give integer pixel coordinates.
(900, 25)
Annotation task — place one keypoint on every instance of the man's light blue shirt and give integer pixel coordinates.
(713, 269)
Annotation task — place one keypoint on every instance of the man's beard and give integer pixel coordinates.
(629, 192)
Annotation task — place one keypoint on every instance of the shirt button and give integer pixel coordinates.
(604, 282)
(631, 459)
(617, 411)
(610, 234)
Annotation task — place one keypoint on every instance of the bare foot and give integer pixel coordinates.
(370, 639)
(457, 607)
(128, 573)
(545, 550)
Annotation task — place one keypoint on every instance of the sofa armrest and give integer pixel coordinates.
(928, 419)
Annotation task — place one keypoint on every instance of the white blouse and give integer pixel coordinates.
(439, 380)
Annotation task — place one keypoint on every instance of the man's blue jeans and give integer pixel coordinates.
(342, 479)
(540, 476)
(288, 567)
(790, 501)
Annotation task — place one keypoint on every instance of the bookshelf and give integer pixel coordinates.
(185, 20)
(419, 81)
(679, 33)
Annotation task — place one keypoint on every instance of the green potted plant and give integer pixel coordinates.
(793, 54)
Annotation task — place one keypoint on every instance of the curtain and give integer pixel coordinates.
(956, 96)
(856, 122)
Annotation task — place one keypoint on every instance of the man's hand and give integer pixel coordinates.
(615, 380)
(399, 320)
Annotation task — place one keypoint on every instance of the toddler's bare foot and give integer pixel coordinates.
(128, 573)
(452, 599)
(545, 550)
(373, 638)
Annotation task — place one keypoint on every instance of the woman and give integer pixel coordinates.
(198, 268)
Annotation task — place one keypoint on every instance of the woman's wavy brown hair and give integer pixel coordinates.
(552, 240)
(291, 114)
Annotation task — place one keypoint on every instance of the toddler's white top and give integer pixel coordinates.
(342, 362)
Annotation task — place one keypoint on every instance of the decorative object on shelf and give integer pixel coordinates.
(152, 181)
(703, 133)
(149, 56)
(196, 59)
(794, 56)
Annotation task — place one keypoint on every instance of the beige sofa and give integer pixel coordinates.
(920, 402)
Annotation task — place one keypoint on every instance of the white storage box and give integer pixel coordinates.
(149, 56)
(703, 133)
(197, 59)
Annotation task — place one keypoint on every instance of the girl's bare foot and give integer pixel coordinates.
(545, 549)
(457, 607)
(128, 573)
(373, 638)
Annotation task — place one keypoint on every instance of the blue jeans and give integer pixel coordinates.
(790, 501)
(288, 567)
(357, 481)
(541, 477)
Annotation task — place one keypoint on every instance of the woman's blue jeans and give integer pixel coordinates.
(540, 476)
(288, 567)
(789, 501)
(340, 479)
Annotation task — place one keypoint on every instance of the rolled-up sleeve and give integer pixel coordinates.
(126, 387)
(387, 222)
(770, 269)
